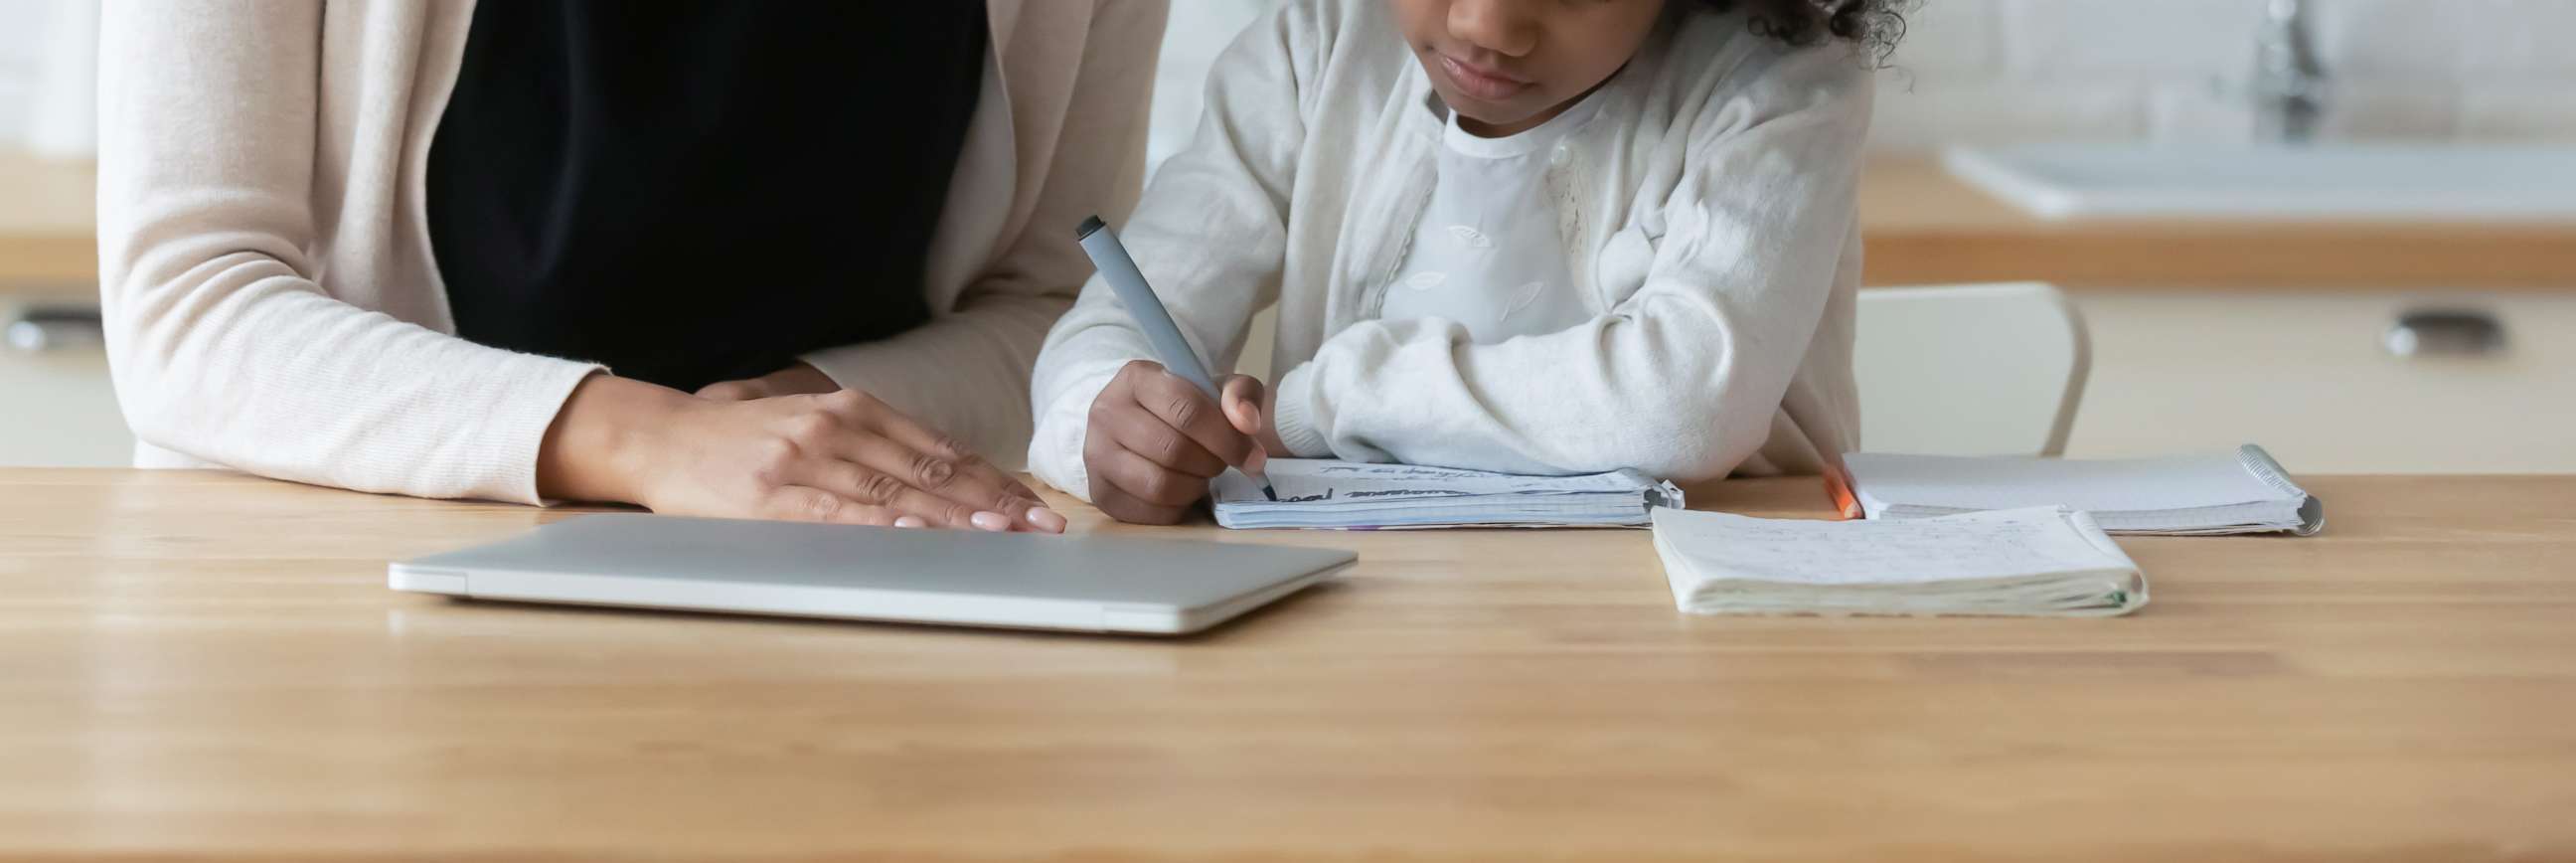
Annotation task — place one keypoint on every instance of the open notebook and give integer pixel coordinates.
(2043, 561)
(2244, 491)
(1320, 493)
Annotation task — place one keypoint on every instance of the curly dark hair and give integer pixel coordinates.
(1874, 26)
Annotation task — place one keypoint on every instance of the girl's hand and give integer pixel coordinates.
(1155, 440)
(838, 457)
(1249, 405)
(795, 379)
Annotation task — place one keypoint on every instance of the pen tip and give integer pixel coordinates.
(1271, 491)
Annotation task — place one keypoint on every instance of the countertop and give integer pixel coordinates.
(1922, 227)
(48, 231)
(209, 666)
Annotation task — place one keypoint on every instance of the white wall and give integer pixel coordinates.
(22, 63)
(2005, 70)
(2018, 70)
(2167, 70)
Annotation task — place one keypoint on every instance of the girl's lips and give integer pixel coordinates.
(1479, 83)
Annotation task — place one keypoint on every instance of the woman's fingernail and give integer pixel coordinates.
(911, 521)
(1047, 520)
(991, 521)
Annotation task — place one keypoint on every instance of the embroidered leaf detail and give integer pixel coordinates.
(1522, 298)
(1426, 281)
(1470, 237)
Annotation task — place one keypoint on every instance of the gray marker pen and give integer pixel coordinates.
(1169, 348)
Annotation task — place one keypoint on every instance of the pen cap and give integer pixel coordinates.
(1128, 283)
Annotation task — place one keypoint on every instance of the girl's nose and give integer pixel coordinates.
(1502, 26)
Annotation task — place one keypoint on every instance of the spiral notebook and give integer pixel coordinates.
(1342, 495)
(2244, 491)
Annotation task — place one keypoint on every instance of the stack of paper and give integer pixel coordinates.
(1315, 493)
(2239, 492)
(2041, 561)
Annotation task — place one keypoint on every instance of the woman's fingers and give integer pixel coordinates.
(928, 484)
(805, 457)
(938, 463)
(870, 486)
(871, 433)
(807, 503)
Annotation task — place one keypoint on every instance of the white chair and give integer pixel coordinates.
(1969, 369)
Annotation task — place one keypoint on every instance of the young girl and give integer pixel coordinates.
(1534, 236)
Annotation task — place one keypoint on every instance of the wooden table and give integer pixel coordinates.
(210, 666)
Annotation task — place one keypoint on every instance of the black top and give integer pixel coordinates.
(690, 192)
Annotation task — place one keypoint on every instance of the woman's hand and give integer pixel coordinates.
(1155, 440)
(836, 457)
(795, 379)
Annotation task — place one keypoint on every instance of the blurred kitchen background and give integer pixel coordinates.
(2344, 229)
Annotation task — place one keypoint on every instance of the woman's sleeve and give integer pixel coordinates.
(1682, 379)
(966, 372)
(223, 345)
(1209, 236)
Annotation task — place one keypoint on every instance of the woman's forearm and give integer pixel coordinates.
(591, 452)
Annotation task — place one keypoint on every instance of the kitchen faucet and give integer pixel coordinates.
(2289, 81)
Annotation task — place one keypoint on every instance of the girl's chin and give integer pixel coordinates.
(1486, 113)
(1490, 118)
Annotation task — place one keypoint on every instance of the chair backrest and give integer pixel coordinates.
(1970, 369)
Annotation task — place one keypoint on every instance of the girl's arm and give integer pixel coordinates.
(1683, 378)
(1209, 234)
(223, 345)
(967, 370)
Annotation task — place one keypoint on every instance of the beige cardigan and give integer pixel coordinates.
(272, 304)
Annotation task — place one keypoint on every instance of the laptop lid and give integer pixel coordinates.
(1077, 582)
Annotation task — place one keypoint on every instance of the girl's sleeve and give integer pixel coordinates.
(223, 345)
(966, 372)
(1682, 379)
(1209, 235)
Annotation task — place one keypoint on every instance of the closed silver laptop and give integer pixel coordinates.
(969, 578)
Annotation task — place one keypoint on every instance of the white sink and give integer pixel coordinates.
(2328, 182)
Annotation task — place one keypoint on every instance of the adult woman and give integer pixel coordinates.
(400, 245)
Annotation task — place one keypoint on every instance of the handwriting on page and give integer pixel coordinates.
(1393, 471)
(1330, 493)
